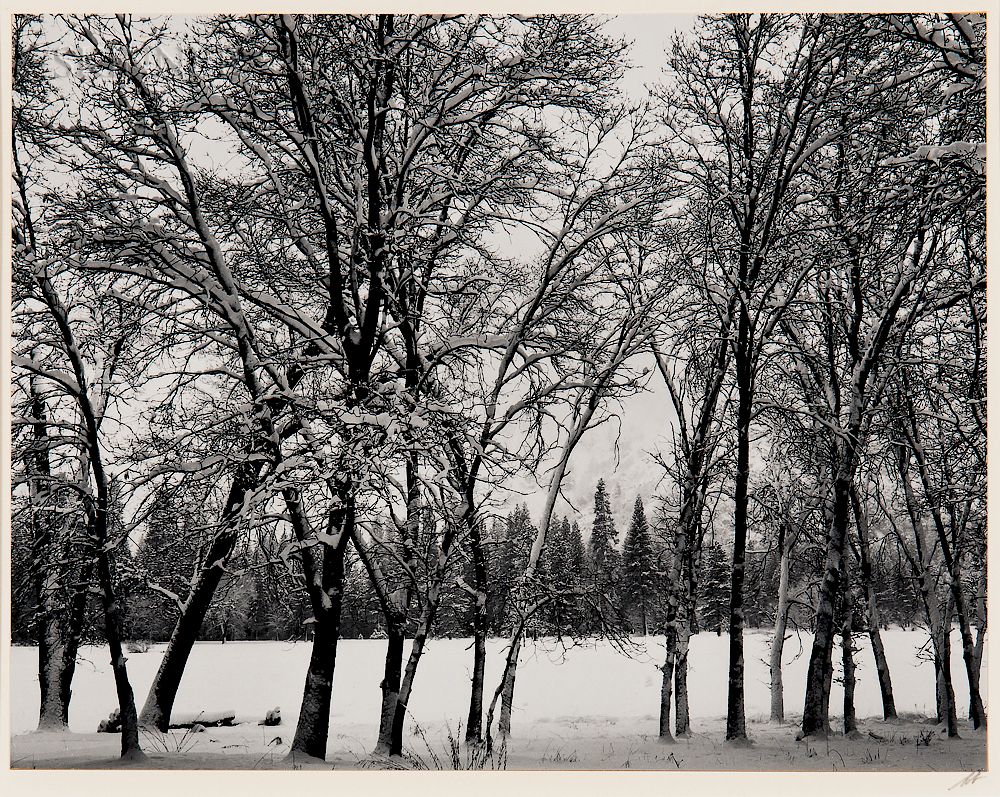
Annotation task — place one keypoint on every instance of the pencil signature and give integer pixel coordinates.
(968, 780)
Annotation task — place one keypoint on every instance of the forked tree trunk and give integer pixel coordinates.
(949, 549)
(390, 685)
(58, 627)
(507, 695)
(396, 607)
(871, 609)
(431, 603)
(816, 711)
(59, 644)
(313, 728)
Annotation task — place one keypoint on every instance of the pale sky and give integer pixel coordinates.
(645, 419)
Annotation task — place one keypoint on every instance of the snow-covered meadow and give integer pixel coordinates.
(588, 707)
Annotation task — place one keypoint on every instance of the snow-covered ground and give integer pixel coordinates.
(588, 707)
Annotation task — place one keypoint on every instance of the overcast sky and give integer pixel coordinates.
(645, 419)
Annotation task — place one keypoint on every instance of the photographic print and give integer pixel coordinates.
(559, 391)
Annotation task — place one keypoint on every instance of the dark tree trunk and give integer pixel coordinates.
(163, 691)
(736, 728)
(113, 633)
(390, 685)
(946, 684)
(667, 684)
(507, 695)
(474, 728)
(871, 609)
(313, 728)
(815, 714)
(58, 627)
(409, 675)
(682, 721)
(850, 717)
(480, 623)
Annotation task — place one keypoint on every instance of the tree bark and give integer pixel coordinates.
(480, 622)
(59, 627)
(736, 728)
(667, 684)
(416, 651)
(507, 695)
(850, 717)
(816, 711)
(682, 720)
(780, 625)
(871, 609)
(313, 728)
(390, 685)
(163, 690)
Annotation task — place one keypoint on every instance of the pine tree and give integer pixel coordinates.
(638, 567)
(560, 575)
(603, 536)
(605, 559)
(576, 551)
(714, 589)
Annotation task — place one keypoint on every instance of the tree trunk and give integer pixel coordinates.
(480, 621)
(980, 604)
(816, 711)
(474, 728)
(881, 663)
(390, 685)
(666, 686)
(850, 717)
(507, 696)
(409, 675)
(58, 627)
(944, 655)
(736, 728)
(313, 728)
(112, 631)
(780, 624)
(163, 691)
(682, 722)
(952, 558)
(871, 609)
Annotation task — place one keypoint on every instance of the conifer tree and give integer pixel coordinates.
(605, 560)
(714, 604)
(638, 567)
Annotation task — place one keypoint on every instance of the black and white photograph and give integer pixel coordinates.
(497, 391)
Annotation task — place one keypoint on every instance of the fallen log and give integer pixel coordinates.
(208, 719)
